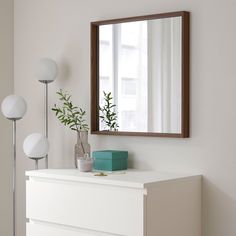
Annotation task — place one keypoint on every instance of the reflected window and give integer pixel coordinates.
(129, 86)
(129, 120)
(124, 65)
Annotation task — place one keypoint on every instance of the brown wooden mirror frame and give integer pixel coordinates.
(185, 75)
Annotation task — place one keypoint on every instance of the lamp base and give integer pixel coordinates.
(46, 81)
(36, 161)
(15, 118)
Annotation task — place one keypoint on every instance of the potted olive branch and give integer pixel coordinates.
(108, 114)
(73, 117)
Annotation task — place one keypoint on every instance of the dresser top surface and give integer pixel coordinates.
(129, 178)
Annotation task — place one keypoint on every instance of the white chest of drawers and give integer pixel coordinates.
(134, 203)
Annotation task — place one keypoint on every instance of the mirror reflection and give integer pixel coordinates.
(140, 66)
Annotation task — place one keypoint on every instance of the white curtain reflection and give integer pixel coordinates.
(165, 75)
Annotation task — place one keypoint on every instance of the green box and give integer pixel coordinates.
(110, 160)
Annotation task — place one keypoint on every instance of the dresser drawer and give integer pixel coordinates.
(112, 210)
(50, 230)
(43, 230)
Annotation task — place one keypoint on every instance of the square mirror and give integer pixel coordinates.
(140, 76)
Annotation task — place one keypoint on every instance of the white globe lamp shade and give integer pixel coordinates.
(36, 146)
(14, 107)
(47, 70)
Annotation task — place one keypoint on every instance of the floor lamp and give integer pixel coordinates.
(36, 147)
(14, 108)
(46, 73)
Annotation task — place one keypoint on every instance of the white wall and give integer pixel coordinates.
(6, 88)
(61, 29)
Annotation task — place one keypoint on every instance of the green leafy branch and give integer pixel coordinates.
(108, 114)
(70, 115)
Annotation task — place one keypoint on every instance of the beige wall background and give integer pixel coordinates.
(60, 29)
(6, 88)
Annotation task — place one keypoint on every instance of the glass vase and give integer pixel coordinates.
(82, 147)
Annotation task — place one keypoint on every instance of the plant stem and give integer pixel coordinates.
(79, 135)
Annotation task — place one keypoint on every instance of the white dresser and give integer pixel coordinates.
(131, 203)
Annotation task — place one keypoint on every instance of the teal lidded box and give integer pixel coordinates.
(110, 160)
